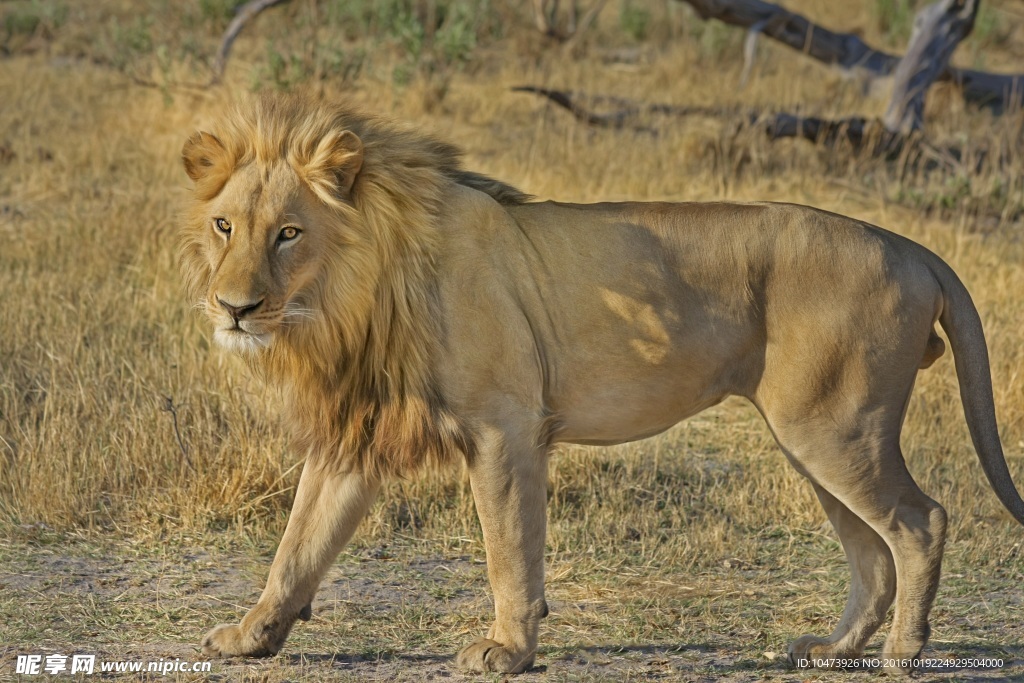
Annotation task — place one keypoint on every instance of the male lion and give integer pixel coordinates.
(414, 312)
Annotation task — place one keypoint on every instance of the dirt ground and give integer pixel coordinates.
(398, 614)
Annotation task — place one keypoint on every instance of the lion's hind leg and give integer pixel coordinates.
(872, 588)
(835, 394)
(869, 479)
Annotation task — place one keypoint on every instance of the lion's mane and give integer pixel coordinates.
(357, 380)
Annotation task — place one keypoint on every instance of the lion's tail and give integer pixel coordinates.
(960, 320)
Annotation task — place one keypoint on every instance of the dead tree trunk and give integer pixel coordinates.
(849, 52)
(938, 30)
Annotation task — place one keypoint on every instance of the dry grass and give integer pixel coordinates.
(95, 336)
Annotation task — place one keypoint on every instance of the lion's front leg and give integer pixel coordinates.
(509, 480)
(328, 507)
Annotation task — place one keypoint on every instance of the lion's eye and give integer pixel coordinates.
(222, 225)
(288, 233)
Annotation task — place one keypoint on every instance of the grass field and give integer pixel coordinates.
(144, 478)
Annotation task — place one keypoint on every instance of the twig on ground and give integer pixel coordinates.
(173, 410)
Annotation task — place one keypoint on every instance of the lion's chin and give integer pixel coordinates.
(240, 341)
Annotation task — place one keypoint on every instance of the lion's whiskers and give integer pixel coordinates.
(292, 310)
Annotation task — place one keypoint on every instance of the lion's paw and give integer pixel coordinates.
(811, 651)
(227, 640)
(484, 655)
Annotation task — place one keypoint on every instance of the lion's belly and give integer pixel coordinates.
(622, 426)
(598, 409)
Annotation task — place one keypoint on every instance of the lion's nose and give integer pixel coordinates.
(237, 312)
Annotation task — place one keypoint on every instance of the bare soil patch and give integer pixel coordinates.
(398, 613)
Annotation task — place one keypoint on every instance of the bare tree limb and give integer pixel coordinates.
(938, 30)
(857, 131)
(844, 50)
(565, 100)
(860, 133)
(864, 135)
(997, 92)
(628, 114)
(243, 16)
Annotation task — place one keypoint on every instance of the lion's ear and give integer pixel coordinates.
(206, 162)
(332, 168)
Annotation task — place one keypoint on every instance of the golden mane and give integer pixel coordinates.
(358, 378)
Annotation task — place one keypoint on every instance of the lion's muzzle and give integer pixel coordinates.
(239, 311)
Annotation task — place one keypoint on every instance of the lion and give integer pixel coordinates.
(415, 313)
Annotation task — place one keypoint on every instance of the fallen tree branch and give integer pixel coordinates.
(844, 50)
(243, 16)
(857, 131)
(626, 115)
(867, 135)
(849, 52)
(861, 133)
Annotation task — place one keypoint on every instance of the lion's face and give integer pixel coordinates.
(259, 237)
(264, 250)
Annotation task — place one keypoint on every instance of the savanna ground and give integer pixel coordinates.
(144, 479)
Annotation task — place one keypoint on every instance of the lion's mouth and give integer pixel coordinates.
(241, 340)
(249, 335)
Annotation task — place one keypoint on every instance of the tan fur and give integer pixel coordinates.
(425, 312)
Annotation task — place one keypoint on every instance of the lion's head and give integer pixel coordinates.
(309, 243)
(274, 240)
(299, 210)
(261, 240)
